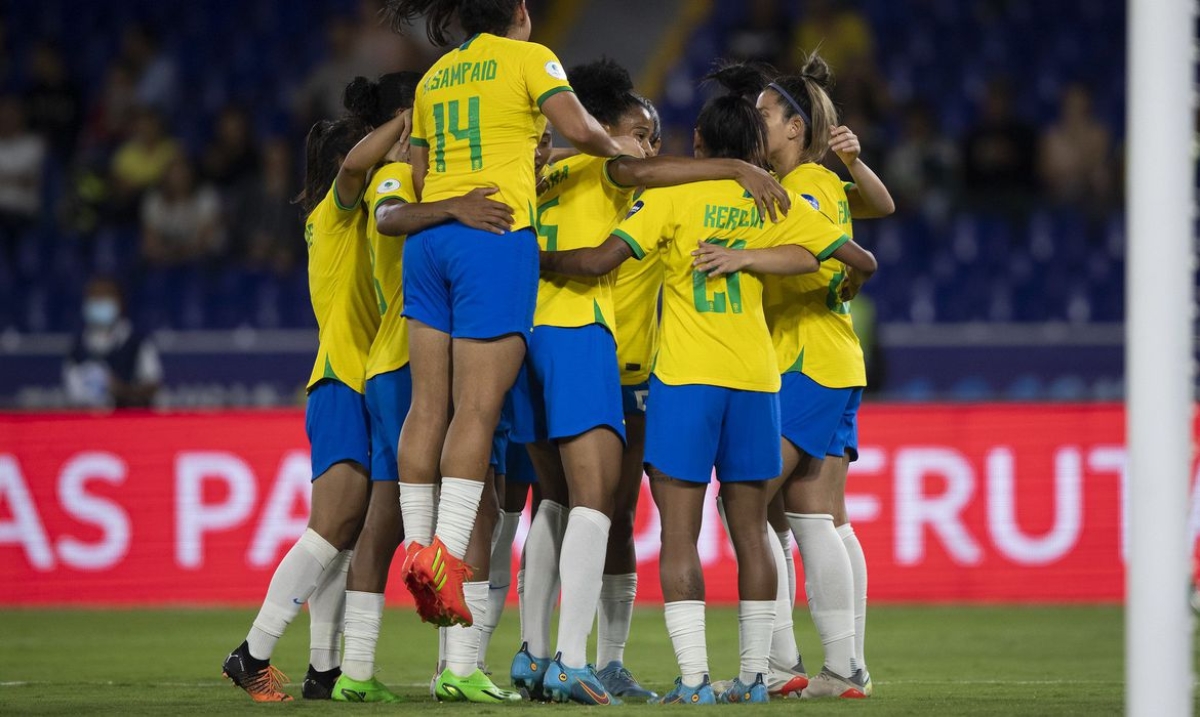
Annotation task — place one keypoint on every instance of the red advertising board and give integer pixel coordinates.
(951, 502)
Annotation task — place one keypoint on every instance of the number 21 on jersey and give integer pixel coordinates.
(447, 118)
(719, 304)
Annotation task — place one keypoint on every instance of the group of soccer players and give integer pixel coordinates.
(494, 313)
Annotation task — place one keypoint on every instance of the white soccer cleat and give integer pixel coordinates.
(828, 684)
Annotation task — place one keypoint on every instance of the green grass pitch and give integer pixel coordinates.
(924, 660)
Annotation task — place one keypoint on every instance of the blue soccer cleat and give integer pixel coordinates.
(620, 682)
(575, 684)
(527, 673)
(739, 692)
(681, 694)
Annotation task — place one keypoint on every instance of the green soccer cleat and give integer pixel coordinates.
(477, 688)
(372, 690)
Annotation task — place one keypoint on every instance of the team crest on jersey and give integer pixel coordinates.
(812, 200)
(389, 185)
(556, 70)
(637, 207)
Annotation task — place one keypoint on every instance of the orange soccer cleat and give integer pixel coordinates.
(426, 599)
(436, 577)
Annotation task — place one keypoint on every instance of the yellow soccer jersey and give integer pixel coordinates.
(578, 210)
(389, 350)
(811, 327)
(635, 298)
(478, 110)
(343, 296)
(713, 330)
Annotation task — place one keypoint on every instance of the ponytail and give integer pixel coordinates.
(807, 95)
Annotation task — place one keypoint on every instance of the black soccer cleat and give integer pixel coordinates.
(319, 685)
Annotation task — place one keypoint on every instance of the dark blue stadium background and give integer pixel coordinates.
(991, 286)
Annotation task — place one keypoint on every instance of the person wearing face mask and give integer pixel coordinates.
(111, 364)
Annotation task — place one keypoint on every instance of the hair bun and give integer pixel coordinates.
(744, 79)
(817, 70)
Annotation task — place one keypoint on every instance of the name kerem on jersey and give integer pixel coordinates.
(719, 217)
(461, 73)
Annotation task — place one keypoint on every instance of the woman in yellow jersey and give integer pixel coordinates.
(713, 394)
(636, 288)
(469, 294)
(822, 372)
(339, 161)
(568, 399)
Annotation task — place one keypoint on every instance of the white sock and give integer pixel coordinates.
(416, 509)
(581, 570)
(457, 508)
(784, 652)
(542, 550)
(858, 568)
(443, 632)
(785, 539)
(830, 587)
(755, 618)
(364, 617)
(617, 594)
(499, 579)
(291, 586)
(685, 625)
(462, 643)
(327, 614)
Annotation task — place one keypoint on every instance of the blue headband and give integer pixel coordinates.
(791, 101)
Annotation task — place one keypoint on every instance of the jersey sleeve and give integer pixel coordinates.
(544, 74)
(391, 182)
(342, 213)
(648, 223)
(809, 228)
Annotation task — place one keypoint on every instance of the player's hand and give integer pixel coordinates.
(844, 144)
(406, 125)
(476, 210)
(768, 193)
(717, 261)
(629, 146)
(852, 282)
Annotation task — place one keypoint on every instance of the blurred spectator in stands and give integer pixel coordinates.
(321, 96)
(181, 219)
(265, 224)
(7, 55)
(22, 159)
(232, 156)
(999, 156)
(847, 41)
(114, 110)
(111, 364)
(764, 36)
(154, 71)
(841, 31)
(140, 163)
(920, 167)
(1075, 162)
(53, 100)
(866, 326)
